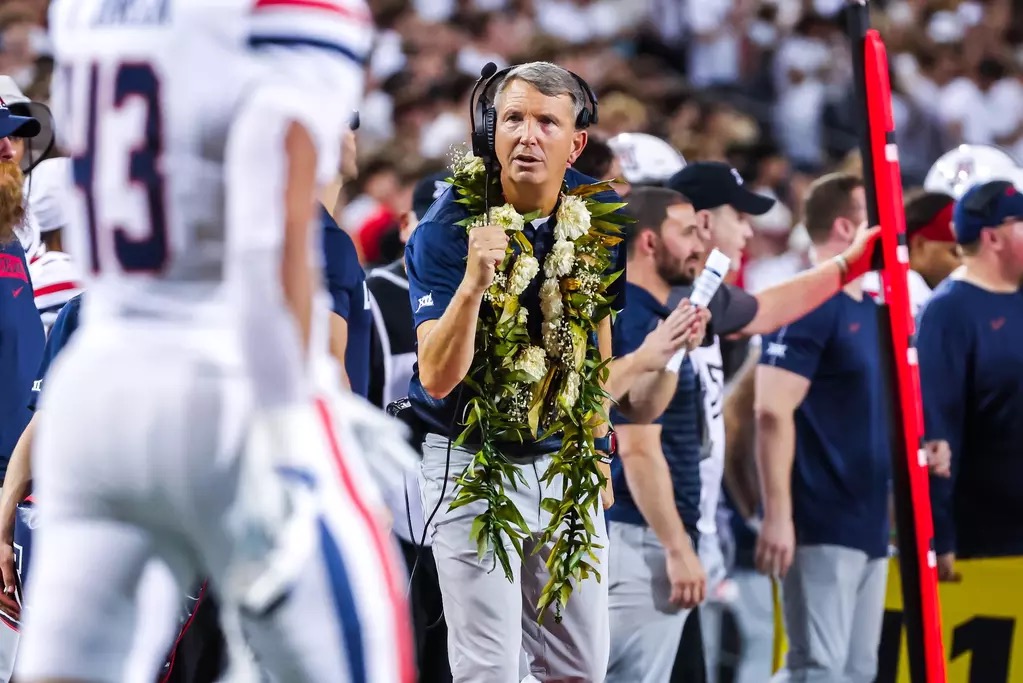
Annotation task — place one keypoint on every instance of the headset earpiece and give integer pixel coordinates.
(490, 130)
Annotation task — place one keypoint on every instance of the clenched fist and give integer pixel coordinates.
(487, 246)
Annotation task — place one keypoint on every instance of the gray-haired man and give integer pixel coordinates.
(490, 620)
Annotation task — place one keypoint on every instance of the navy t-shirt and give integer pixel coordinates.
(64, 326)
(681, 423)
(841, 472)
(435, 260)
(346, 282)
(970, 346)
(21, 347)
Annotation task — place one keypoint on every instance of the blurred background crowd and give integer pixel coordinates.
(763, 84)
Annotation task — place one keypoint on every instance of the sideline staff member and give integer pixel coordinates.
(539, 133)
(21, 329)
(822, 454)
(970, 345)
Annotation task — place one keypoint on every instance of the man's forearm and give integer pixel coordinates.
(792, 299)
(650, 394)
(776, 445)
(445, 355)
(16, 482)
(649, 482)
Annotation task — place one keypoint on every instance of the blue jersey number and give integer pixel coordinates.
(140, 245)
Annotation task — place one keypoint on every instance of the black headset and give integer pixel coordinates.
(483, 113)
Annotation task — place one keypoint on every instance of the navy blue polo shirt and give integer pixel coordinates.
(970, 346)
(63, 327)
(681, 423)
(346, 282)
(21, 347)
(841, 472)
(435, 260)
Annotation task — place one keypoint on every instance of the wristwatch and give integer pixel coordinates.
(607, 445)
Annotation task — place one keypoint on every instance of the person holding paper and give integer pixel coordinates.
(654, 573)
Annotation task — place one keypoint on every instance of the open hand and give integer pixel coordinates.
(670, 335)
(776, 546)
(939, 458)
(687, 577)
(8, 600)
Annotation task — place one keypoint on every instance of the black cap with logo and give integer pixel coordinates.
(710, 184)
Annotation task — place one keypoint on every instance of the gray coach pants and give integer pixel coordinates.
(645, 627)
(491, 620)
(833, 602)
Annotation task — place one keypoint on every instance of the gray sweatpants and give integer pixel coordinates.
(491, 620)
(833, 602)
(645, 627)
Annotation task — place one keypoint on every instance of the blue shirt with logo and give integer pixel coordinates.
(60, 334)
(841, 472)
(435, 259)
(346, 282)
(681, 423)
(970, 348)
(21, 347)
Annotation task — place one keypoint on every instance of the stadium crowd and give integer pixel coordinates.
(742, 112)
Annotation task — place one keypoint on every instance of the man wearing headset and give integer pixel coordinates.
(541, 113)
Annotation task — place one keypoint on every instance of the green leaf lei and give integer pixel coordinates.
(524, 392)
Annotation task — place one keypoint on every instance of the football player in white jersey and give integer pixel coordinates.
(180, 423)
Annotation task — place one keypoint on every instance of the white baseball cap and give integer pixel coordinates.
(645, 159)
(48, 190)
(966, 165)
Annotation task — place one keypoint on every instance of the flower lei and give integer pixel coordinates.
(526, 392)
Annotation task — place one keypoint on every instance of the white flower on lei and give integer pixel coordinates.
(571, 394)
(532, 361)
(525, 269)
(573, 219)
(506, 217)
(561, 259)
(468, 165)
(550, 299)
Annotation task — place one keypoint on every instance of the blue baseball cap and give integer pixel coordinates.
(987, 205)
(17, 126)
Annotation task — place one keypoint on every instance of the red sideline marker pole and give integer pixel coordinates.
(922, 616)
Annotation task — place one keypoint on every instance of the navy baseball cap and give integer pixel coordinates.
(987, 205)
(17, 126)
(710, 184)
(427, 190)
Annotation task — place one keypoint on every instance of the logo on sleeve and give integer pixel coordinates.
(776, 350)
(37, 385)
(424, 302)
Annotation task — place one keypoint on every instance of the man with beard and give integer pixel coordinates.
(655, 576)
(723, 204)
(21, 330)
